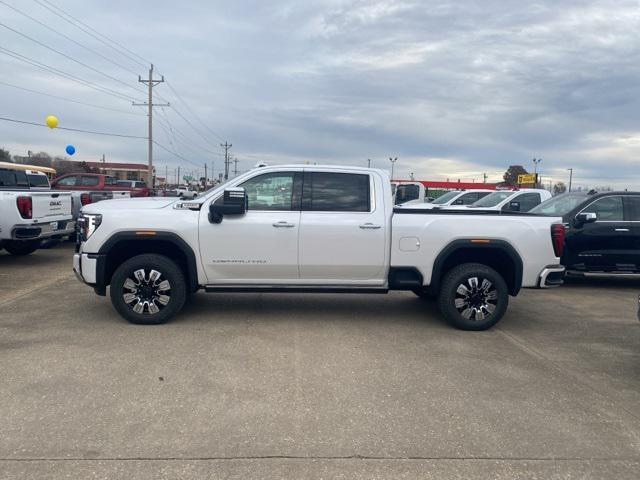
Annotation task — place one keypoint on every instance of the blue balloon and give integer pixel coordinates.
(70, 149)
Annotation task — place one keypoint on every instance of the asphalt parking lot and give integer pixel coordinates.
(314, 386)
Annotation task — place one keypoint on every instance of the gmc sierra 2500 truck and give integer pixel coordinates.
(311, 229)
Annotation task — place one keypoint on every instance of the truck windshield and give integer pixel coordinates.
(445, 198)
(559, 205)
(13, 178)
(492, 199)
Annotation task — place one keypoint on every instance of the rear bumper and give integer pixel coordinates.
(36, 231)
(551, 276)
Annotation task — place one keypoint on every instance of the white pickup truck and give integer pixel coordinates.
(29, 216)
(311, 229)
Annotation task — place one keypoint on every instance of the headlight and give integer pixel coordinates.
(87, 224)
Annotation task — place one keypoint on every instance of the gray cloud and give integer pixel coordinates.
(454, 89)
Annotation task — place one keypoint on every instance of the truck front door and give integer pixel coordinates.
(261, 246)
(343, 231)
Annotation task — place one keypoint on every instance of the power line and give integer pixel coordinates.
(70, 99)
(70, 58)
(93, 132)
(42, 24)
(186, 138)
(176, 154)
(63, 74)
(86, 30)
(193, 113)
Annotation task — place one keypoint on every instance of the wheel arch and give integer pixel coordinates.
(497, 254)
(125, 245)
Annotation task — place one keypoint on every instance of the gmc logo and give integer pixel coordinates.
(55, 204)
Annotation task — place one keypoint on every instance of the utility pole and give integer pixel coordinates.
(235, 166)
(212, 176)
(570, 177)
(166, 175)
(484, 178)
(103, 158)
(393, 162)
(150, 83)
(368, 163)
(226, 147)
(178, 182)
(205, 175)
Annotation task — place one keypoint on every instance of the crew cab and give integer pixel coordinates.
(304, 228)
(511, 200)
(94, 182)
(602, 230)
(454, 197)
(29, 216)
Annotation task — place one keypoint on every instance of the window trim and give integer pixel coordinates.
(608, 221)
(372, 192)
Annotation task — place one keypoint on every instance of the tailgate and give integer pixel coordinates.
(50, 204)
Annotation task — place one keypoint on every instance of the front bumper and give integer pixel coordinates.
(85, 268)
(551, 276)
(36, 231)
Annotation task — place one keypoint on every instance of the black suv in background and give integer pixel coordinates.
(602, 230)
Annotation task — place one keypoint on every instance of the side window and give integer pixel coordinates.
(87, 181)
(271, 191)
(632, 204)
(406, 193)
(607, 209)
(110, 180)
(336, 192)
(467, 199)
(68, 181)
(526, 200)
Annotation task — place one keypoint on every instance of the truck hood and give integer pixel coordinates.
(119, 204)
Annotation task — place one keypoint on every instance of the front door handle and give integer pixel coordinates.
(283, 224)
(621, 229)
(369, 226)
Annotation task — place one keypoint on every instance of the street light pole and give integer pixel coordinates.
(570, 177)
(393, 162)
(536, 162)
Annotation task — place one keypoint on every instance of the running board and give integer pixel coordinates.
(292, 289)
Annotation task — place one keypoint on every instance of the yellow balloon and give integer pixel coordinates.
(51, 121)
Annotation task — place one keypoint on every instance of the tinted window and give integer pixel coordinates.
(633, 208)
(560, 204)
(13, 178)
(67, 181)
(140, 184)
(469, 198)
(445, 197)
(110, 181)
(88, 181)
(124, 183)
(271, 191)
(336, 192)
(493, 199)
(38, 180)
(406, 193)
(608, 209)
(527, 201)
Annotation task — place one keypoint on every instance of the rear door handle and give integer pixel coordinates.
(369, 226)
(621, 229)
(283, 224)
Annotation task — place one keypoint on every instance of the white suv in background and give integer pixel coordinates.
(512, 200)
(455, 197)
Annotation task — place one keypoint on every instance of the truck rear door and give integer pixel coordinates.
(342, 229)
(50, 204)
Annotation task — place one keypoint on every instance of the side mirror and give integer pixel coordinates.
(585, 217)
(234, 202)
(514, 206)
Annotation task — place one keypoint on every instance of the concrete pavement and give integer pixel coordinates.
(314, 386)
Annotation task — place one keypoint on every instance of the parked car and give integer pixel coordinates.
(94, 182)
(455, 197)
(185, 192)
(136, 187)
(512, 200)
(312, 229)
(602, 230)
(28, 216)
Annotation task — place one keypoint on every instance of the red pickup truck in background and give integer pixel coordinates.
(98, 181)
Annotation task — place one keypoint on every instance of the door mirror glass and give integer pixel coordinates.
(586, 217)
(234, 202)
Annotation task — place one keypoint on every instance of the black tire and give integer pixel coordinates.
(148, 291)
(482, 305)
(17, 247)
(425, 294)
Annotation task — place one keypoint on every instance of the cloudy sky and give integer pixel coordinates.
(454, 89)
